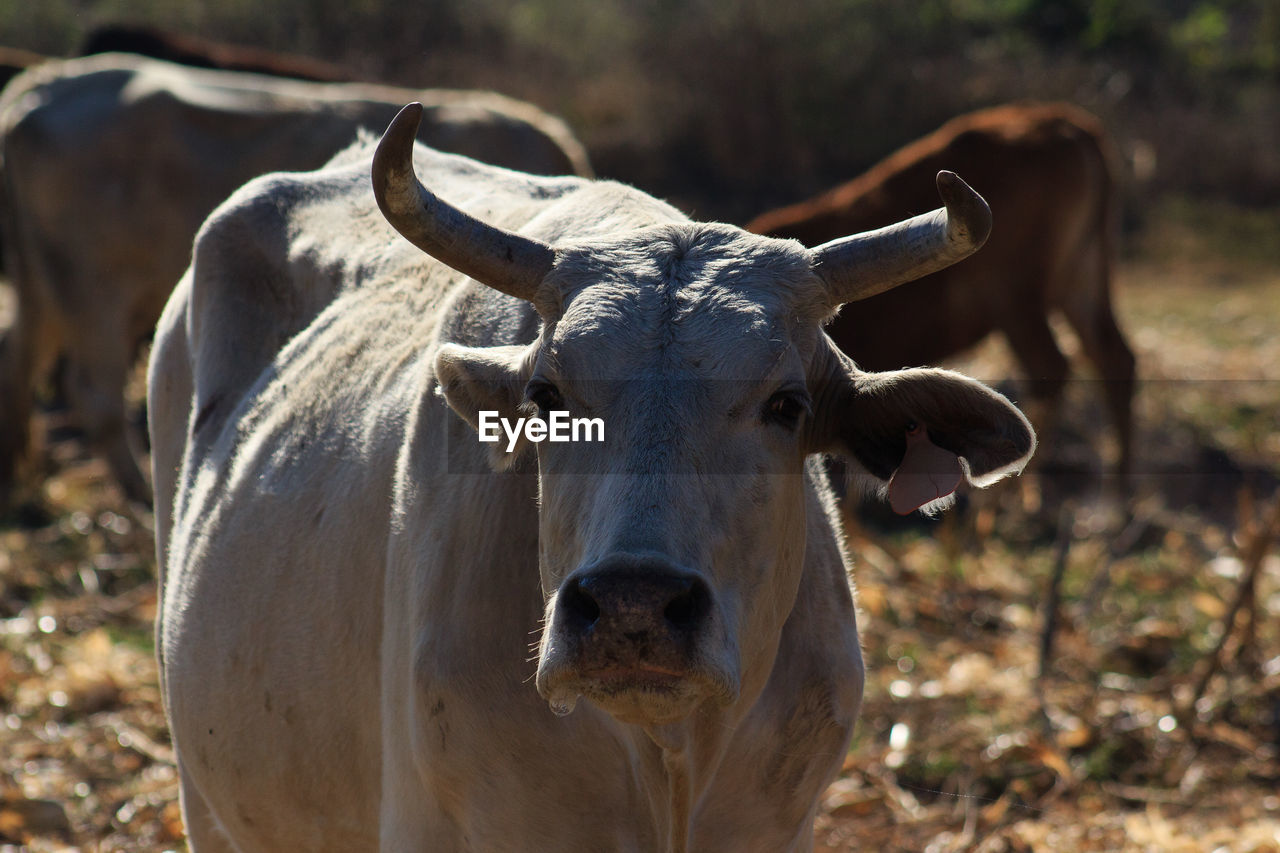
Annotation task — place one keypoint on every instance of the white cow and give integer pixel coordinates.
(112, 162)
(351, 591)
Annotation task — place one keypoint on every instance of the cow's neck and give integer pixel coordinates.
(685, 756)
(676, 765)
(673, 780)
(686, 759)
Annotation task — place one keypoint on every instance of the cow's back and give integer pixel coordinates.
(306, 362)
(121, 158)
(298, 283)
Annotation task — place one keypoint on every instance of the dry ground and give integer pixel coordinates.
(961, 746)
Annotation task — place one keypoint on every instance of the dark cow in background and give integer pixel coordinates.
(198, 52)
(111, 162)
(1046, 171)
(15, 60)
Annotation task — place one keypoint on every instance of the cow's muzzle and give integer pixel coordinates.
(640, 638)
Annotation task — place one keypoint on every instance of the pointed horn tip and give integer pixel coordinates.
(408, 119)
(394, 153)
(402, 131)
(967, 211)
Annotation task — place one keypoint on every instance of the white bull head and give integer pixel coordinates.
(671, 552)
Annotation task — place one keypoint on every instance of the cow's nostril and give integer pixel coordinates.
(687, 609)
(662, 605)
(578, 605)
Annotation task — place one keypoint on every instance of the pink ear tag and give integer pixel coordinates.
(927, 473)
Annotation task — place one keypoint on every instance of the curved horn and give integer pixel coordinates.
(866, 264)
(504, 261)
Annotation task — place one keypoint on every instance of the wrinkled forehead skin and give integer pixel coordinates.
(676, 336)
(689, 300)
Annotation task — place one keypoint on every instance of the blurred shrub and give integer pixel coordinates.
(732, 106)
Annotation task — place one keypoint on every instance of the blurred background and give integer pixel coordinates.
(730, 108)
(1072, 663)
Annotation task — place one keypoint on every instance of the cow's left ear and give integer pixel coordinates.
(921, 431)
(478, 379)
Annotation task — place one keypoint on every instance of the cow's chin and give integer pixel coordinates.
(638, 696)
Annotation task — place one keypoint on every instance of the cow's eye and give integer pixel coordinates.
(785, 408)
(544, 395)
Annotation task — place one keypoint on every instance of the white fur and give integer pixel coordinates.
(351, 592)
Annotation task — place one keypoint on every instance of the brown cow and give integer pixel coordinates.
(1046, 172)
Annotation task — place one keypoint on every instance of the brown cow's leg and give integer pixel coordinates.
(1086, 303)
(1105, 346)
(1045, 369)
(1044, 366)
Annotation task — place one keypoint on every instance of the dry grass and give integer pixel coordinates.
(84, 755)
(960, 746)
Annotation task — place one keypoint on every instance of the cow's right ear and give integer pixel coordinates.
(484, 379)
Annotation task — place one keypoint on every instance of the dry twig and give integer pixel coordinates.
(1062, 548)
(1257, 531)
